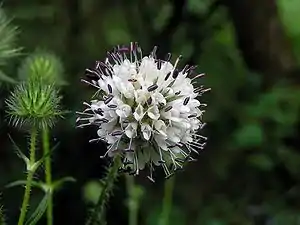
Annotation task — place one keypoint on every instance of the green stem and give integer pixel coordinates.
(48, 176)
(97, 216)
(168, 201)
(33, 137)
(132, 200)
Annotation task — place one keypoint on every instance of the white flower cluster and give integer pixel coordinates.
(145, 109)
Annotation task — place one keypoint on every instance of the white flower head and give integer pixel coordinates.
(146, 109)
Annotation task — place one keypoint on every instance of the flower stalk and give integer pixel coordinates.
(48, 174)
(30, 170)
(132, 201)
(168, 201)
(97, 216)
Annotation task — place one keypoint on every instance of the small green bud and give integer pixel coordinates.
(44, 65)
(34, 103)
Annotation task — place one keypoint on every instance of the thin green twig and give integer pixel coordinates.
(48, 174)
(33, 137)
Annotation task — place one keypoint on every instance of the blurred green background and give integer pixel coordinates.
(249, 172)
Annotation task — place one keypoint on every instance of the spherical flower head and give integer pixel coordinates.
(34, 103)
(145, 109)
(43, 65)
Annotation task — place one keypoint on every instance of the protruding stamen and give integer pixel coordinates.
(92, 74)
(153, 87)
(168, 108)
(167, 76)
(175, 73)
(117, 133)
(149, 101)
(112, 106)
(186, 100)
(108, 99)
(109, 88)
(168, 57)
(192, 115)
(158, 64)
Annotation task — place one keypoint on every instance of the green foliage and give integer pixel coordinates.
(252, 156)
(290, 15)
(39, 211)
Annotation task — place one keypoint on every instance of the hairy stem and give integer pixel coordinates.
(48, 174)
(97, 216)
(132, 201)
(168, 201)
(33, 137)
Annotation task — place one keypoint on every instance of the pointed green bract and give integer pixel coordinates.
(34, 103)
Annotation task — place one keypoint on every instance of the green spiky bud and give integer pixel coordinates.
(34, 103)
(44, 65)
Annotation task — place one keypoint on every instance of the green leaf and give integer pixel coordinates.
(19, 152)
(23, 182)
(40, 210)
(59, 183)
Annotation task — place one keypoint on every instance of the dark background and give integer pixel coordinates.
(249, 49)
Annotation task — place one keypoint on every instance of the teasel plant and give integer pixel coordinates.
(48, 69)
(149, 113)
(33, 106)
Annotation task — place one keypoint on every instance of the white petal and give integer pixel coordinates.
(153, 112)
(146, 131)
(123, 111)
(161, 142)
(130, 130)
(139, 113)
(159, 98)
(161, 127)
